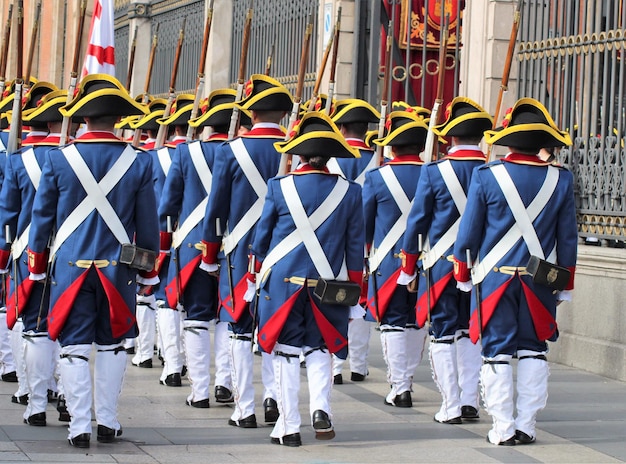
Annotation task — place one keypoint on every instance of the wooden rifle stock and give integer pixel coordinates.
(270, 58)
(333, 64)
(431, 147)
(241, 75)
(4, 51)
(504, 84)
(320, 72)
(33, 41)
(146, 88)
(162, 133)
(384, 98)
(131, 60)
(15, 132)
(74, 72)
(200, 79)
(285, 158)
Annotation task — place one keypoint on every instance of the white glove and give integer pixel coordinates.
(564, 295)
(357, 312)
(251, 292)
(464, 286)
(405, 279)
(209, 267)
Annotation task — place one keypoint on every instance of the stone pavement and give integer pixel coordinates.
(585, 421)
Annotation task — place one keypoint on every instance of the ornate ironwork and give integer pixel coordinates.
(571, 59)
(121, 52)
(139, 10)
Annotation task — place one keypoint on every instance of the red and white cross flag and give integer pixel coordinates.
(100, 56)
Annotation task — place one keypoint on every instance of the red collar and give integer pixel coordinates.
(149, 145)
(308, 169)
(356, 143)
(217, 137)
(406, 159)
(51, 140)
(175, 142)
(265, 132)
(519, 158)
(476, 154)
(33, 139)
(98, 136)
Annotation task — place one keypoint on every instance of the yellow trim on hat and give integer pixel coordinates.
(349, 104)
(285, 147)
(141, 122)
(493, 136)
(396, 132)
(443, 129)
(179, 112)
(60, 100)
(247, 102)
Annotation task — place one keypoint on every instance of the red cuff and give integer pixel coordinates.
(4, 258)
(165, 240)
(251, 277)
(37, 262)
(461, 272)
(570, 283)
(409, 262)
(209, 252)
(158, 264)
(356, 276)
(149, 274)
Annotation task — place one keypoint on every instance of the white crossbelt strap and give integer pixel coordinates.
(96, 195)
(524, 217)
(165, 160)
(34, 174)
(460, 200)
(257, 182)
(396, 231)
(206, 177)
(2, 147)
(334, 168)
(371, 165)
(317, 218)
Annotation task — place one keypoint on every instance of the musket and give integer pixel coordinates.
(333, 64)
(320, 72)
(162, 133)
(384, 97)
(270, 58)
(476, 291)
(504, 84)
(33, 41)
(374, 288)
(74, 70)
(4, 52)
(420, 248)
(431, 145)
(229, 268)
(241, 75)
(9, 240)
(131, 60)
(15, 132)
(179, 290)
(285, 158)
(146, 87)
(200, 80)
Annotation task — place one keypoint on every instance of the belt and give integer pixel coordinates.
(86, 263)
(511, 270)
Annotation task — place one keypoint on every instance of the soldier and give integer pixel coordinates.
(171, 315)
(185, 196)
(311, 228)
(30, 304)
(352, 117)
(97, 194)
(148, 303)
(518, 207)
(242, 168)
(442, 188)
(387, 197)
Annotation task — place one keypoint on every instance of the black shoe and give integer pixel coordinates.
(403, 400)
(52, 396)
(356, 377)
(223, 394)
(524, 438)
(271, 410)
(9, 377)
(172, 380)
(23, 400)
(292, 440)
(146, 364)
(64, 415)
(453, 421)
(507, 442)
(469, 413)
(245, 423)
(107, 435)
(130, 350)
(39, 420)
(323, 426)
(201, 404)
(338, 379)
(80, 441)
(183, 371)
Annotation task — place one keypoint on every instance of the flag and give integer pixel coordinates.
(100, 57)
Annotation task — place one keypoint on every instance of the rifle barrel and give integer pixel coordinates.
(5, 45)
(155, 41)
(131, 60)
(33, 41)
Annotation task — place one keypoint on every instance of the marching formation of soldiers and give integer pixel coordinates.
(166, 240)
